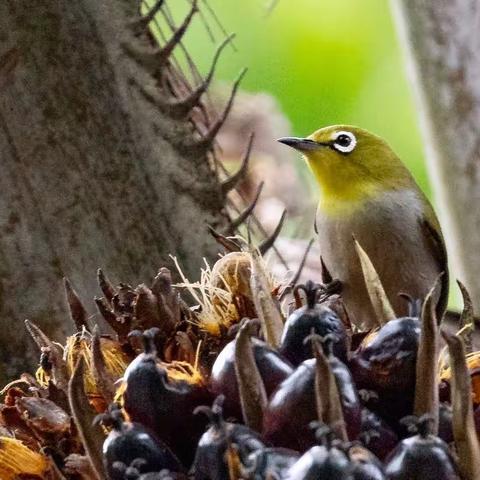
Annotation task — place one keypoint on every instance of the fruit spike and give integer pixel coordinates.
(426, 388)
(52, 352)
(272, 368)
(266, 306)
(103, 379)
(92, 436)
(121, 329)
(329, 405)
(253, 397)
(380, 303)
(204, 144)
(105, 286)
(466, 440)
(78, 314)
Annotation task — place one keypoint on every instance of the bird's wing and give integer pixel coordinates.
(433, 235)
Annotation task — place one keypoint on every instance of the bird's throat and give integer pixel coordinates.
(340, 192)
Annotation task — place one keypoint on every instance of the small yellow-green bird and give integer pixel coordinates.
(368, 193)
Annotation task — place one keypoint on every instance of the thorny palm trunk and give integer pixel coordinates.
(93, 172)
(442, 42)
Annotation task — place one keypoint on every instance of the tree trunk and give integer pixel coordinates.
(94, 173)
(442, 40)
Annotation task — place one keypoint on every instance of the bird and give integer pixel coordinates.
(368, 194)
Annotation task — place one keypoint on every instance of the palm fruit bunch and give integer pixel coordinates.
(254, 379)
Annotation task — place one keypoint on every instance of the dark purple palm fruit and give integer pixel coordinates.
(421, 457)
(365, 465)
(162, 404)
(445, 427)
(296, 399)
(376, 435)
(476, 419)
(210, 458)
(385, 363)
(272, 367)
(291, 409)
(162, 475)
(325, 461)
(315, 318)
(130, 442)
(270, 463)
(133, 472)
(347, 389)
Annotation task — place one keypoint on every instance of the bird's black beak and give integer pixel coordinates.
(301, 144)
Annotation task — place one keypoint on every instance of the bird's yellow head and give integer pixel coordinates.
(351, 165)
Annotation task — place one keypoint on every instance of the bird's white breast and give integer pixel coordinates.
(389, 230)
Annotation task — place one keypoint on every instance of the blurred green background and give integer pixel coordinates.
(326, 62)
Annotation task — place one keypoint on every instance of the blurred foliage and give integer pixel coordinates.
(325, 61)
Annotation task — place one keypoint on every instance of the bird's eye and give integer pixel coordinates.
(344, 142)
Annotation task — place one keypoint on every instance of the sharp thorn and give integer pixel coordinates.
(145, 57)
(151, 93)
(249, 235)
(231, 182)
(296, 277)
(326, 275)
(467, 317)
(229, 244)
(246, 213)
(181, 107)
(217, 20)
(205, 143)
(167, 49)
(141, 24)
(267, 244)
(154, 59)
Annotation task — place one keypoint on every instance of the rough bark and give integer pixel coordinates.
(93, 173)
(442, 40)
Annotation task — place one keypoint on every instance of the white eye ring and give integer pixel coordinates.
(344, 142)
